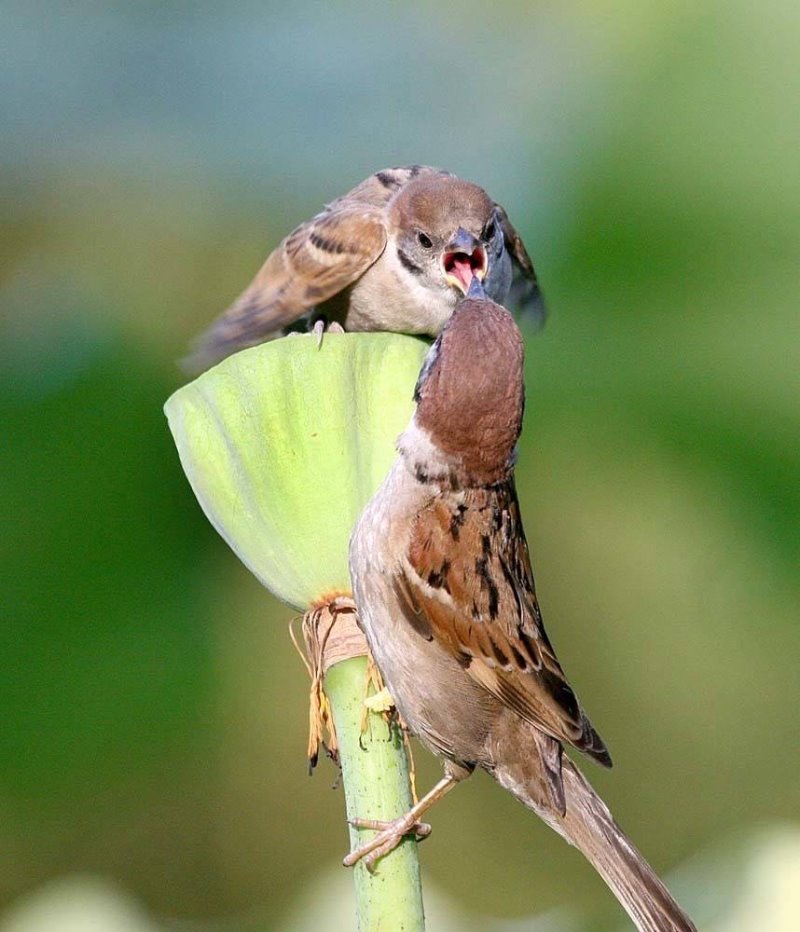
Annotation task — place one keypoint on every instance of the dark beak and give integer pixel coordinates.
(476, 288)
(463, 241)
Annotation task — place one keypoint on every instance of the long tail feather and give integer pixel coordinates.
(590, 827)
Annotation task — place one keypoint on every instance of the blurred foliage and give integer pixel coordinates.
(153, 708)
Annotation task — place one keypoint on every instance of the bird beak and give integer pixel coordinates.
(463, 260)
(475, 289)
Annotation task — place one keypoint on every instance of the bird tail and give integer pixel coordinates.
(589, 826)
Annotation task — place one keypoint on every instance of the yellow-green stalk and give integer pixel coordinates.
(283, 445)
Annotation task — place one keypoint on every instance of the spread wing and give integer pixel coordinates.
(314, 263)
(467, 583)
(525, 292)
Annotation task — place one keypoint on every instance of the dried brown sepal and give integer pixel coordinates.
(331, 635)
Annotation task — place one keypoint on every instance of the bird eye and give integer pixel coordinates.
(488, 230)
(424, 241)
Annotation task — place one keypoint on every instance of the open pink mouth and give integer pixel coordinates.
(459, 268)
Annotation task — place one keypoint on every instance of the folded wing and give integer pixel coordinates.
(467, 583)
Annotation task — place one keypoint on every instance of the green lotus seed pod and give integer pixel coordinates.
(285, 443)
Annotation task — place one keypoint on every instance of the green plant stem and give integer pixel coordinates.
(376, 786)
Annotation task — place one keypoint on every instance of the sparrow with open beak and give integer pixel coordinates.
(395, 253)
(444, 589)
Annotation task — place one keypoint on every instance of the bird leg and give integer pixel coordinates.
(390, 834)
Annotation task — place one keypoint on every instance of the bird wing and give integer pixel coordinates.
(467, 583)
(525, 292)
(312, 264)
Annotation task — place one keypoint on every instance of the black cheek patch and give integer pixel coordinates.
(408, 263)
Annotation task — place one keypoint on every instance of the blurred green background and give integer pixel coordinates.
(153, 709)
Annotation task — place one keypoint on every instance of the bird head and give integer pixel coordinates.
(470, 394)
(446, 232)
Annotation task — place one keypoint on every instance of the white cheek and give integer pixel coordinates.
(419, 453)
(419, 284)
(415, 443)
(426, 295)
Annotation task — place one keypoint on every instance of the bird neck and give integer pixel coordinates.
(430, 465)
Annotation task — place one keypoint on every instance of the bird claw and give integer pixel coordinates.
(321, 327)
(388, 837)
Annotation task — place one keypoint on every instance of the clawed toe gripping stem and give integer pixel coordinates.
(390, 834)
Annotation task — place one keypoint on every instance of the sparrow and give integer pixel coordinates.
(445, 594)
(395, 253)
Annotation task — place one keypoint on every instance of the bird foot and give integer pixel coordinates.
(321, 327)
(389, 835)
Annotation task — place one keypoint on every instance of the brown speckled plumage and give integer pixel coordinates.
(488, 568)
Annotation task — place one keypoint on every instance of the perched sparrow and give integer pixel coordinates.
(395, 253)
(445, 594)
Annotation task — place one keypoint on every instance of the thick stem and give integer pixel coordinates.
(376, 786)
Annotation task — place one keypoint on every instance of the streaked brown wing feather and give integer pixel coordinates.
(315, 262)
(468, 579)
(515, 245)
(525, 292)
